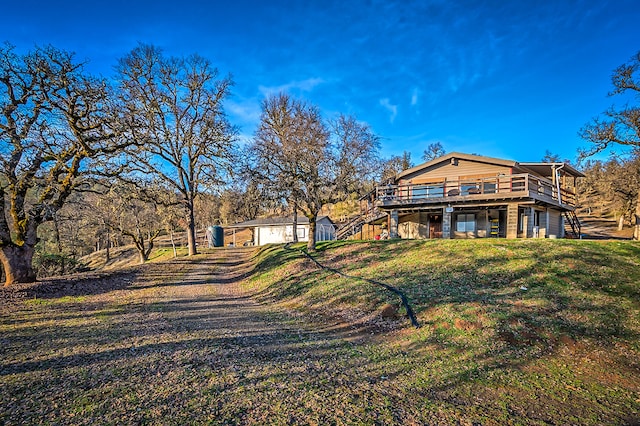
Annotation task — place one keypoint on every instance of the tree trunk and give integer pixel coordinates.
(636, 228)
(138, 242)
(142, 252)
(17, 264)
(56, 233)
(149, 247)
(621, 223)
(108, 251)
(311, 245)
(173, 244)
(191, 231)
(295, 222)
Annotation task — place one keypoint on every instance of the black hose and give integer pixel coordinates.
(403, 298)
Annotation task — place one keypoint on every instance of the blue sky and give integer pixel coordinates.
(509, 78)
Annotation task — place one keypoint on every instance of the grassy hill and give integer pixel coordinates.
(512, 332)
(544, 330)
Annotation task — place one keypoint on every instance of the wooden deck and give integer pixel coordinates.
(477, 191)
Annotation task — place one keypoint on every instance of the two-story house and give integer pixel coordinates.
(470, 196)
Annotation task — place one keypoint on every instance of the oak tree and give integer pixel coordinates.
(177, 118)
(619, 126)
(58, 129)
(133, 211)
(393, 165)
(433, 151)
(308, 160)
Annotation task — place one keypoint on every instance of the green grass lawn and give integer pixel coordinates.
(542, 330)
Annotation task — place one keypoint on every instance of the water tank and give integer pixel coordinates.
(218, 236)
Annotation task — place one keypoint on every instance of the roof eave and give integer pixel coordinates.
(565, 166)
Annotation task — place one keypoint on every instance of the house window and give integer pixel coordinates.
(489, 187)
(470, 188)
(301, 232)
(428, 191)
(466, 223)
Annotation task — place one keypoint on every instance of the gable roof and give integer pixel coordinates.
(275, 221)
(537, 168)
(458, 155)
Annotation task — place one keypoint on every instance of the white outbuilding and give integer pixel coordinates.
(275, 230)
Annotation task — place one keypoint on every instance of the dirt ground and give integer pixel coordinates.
(594, 228)
(173, 343)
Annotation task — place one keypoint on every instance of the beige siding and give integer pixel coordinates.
(414, 226)
(448, 171)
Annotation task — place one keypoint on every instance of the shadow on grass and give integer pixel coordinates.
(502, 304)
(83, 284)
(477, 320)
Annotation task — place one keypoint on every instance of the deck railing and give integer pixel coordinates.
(482, 188)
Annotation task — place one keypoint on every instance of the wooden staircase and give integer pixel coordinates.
(355, 224)
(350, 228)
(575, 228)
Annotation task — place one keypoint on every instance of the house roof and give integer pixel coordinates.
(538, 168)
(458, 155)
(546, 168)
(275, 221)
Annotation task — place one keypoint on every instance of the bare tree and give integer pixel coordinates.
(238, 203)
(433, 151)
(178, 119)
(133, 212)
(619, 126)
(612, 184)
(550, 157)
(278, 150)
(394, 165)
(309, 161)
(57, 129)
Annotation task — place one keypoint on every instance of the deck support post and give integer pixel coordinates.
(446, 223)
(512, 220)
(393, 224)
(547, 217)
